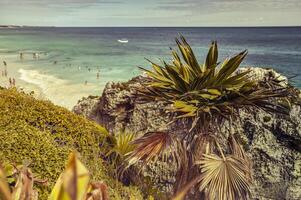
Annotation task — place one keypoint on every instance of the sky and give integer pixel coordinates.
(151, 12)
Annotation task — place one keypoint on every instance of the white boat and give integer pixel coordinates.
(123, 41)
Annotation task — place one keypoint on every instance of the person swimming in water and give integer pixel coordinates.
(97, 75)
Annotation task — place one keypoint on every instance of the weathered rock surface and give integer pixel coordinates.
(87, 106)
(273, 142)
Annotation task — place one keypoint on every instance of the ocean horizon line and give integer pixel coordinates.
(50, 26)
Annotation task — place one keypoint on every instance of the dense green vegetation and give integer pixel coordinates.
(41, 135)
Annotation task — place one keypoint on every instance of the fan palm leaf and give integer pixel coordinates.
(224, 178)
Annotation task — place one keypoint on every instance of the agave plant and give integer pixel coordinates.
(73, 184)
(205, 91)
(122, 145)
(204, 96)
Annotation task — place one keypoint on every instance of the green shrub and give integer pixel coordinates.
(41, 135)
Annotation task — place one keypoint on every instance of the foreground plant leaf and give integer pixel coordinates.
(24, 186)
(5, 193)
(72, 183)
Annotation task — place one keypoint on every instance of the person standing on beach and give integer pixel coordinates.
(97, 75)
(4, 63)
(14, 82)
(10, 82)
(21, 56)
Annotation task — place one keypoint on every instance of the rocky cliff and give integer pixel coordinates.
(273, 142)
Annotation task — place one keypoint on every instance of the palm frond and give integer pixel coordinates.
(181, 194)
(149, 146)
(238, 151)
(224, 178)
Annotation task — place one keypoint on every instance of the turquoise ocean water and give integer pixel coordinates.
(67, 58)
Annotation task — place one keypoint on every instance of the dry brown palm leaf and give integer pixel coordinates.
(202, 144)
(180, 195)
(184, 158)
(24, 186)
(98, 191)
(149, 146)
(238, 151)
(224, 178)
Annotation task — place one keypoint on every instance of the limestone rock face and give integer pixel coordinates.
(273, 142)
(87, 106)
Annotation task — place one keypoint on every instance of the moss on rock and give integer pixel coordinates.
(42, 135)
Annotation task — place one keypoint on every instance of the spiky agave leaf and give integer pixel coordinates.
(212, 56)
(224, 178)
(149, 146)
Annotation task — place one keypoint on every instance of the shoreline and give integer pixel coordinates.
(44, 86)
(12, 72)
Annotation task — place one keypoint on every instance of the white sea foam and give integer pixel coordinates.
(59, 91)
(45, 82)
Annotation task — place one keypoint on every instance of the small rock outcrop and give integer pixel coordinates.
(273, 142)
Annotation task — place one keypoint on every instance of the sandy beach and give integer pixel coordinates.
(12, 72)
(40, 85)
